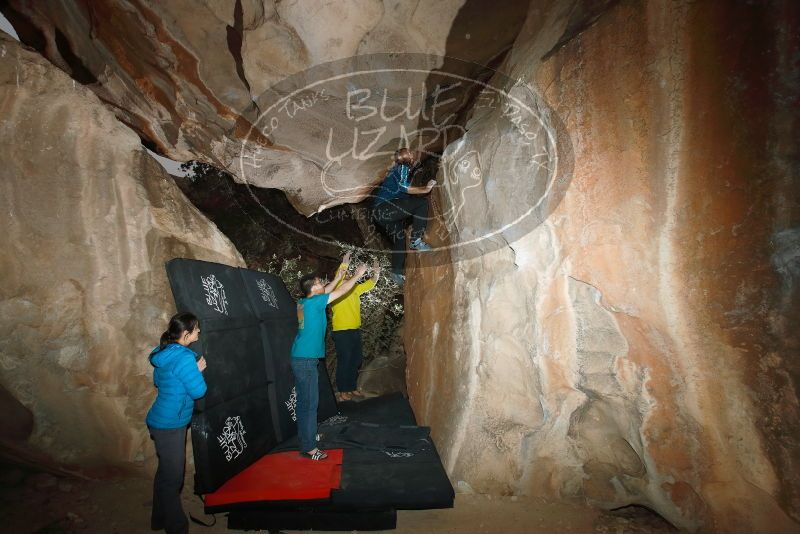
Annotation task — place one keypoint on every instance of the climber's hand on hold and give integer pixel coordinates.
(421, 189)
(348, 284)
(201, 364)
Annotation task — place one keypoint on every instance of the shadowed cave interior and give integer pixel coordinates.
(603, 336)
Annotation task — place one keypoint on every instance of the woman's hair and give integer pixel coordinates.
(180, 323)
(306, 283)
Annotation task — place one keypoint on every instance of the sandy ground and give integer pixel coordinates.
(45, 504)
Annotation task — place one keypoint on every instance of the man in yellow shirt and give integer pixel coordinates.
(346, 326)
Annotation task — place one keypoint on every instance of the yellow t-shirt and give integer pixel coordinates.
(347, 309)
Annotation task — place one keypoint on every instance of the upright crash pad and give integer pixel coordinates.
(211, 291)
(248, 322)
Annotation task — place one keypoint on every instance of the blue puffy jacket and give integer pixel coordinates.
(179, 383)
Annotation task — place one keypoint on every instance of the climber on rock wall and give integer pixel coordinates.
(395, 202)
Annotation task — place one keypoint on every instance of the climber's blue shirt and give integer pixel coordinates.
(311, 325)
(179, 383)
(395, 185)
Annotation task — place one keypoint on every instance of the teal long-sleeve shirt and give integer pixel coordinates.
(395, 185)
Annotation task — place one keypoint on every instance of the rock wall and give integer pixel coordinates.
(636, 347)
(190, 76)
(88, 220)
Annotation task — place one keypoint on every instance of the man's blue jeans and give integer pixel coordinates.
(306, 383)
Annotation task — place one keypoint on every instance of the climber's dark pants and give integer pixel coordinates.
(348, 358)
(392, 217)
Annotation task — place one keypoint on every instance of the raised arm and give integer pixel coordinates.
(337, 278)
(348, 284)
(370, 284)
(376, 271)
(422, 189)
(340, 272)
(405, 170)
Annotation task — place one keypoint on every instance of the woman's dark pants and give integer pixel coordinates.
(168, 511)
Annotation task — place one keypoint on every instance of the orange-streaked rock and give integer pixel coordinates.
(193, 77)
(635, 347)
(88, 220)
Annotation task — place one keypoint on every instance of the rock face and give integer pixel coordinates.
(637, 346)
(88, 221)
(191, 76)
(385, 373)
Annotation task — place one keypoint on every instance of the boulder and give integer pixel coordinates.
(634, 346)
(88, 219)
(194, 78)
(633, 342)
(385, 373)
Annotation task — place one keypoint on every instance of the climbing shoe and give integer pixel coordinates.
(419, 244)
(316, 454)
(398, 279)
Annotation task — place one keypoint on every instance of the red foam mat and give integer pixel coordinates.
(283, 476)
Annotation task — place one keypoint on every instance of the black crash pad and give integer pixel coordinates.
(248, 321)
(385, 467)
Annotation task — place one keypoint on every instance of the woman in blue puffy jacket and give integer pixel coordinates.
(178, 377)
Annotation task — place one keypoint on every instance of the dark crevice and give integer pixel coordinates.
(471, 94)
(132, 121)
(150, 145)
(27, 32)
(642, 517)
(78, 70)
(478, 42)
(234, 36)
(250, 217)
